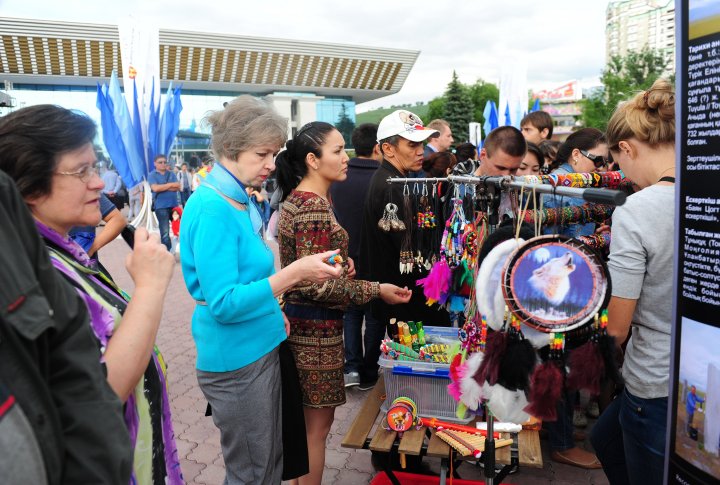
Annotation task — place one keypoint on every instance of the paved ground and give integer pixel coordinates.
(199, 441)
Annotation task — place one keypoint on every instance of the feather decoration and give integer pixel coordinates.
(517, 362)
(490, 366)
(436, 285)
(470, 390)
(545, 390)
(506, 405)
(587, 368)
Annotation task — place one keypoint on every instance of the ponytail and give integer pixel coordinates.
(290, 166)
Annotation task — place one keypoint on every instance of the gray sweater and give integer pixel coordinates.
(641, 265)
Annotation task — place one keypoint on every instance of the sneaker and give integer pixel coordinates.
(366, 386)
(579, 418)
(593, 410)
(352, 379)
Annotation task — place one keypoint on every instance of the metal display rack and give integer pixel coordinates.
(488, 190)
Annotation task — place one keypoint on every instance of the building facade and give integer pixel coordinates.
(634, 24)
(63, 62)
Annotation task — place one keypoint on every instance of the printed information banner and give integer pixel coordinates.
(694, 427)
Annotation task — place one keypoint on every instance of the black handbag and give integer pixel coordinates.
(295, 451)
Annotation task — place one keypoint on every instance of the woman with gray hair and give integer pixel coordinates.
(229, 270)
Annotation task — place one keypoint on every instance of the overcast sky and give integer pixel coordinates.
(561, 39)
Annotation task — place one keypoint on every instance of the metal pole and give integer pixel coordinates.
(599, 196)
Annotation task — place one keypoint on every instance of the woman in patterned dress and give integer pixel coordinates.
(315, 159)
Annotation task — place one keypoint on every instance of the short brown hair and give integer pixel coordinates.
(506, 138)
(439, 125)
(32, 140)
(244, 123)
(540, 120)
(649, 117)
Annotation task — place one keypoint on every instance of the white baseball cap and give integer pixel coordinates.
(406, 124)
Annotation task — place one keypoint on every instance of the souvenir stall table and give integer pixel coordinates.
(531, 317)
(367, 433)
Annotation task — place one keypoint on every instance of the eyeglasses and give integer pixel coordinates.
(597, 160)
(161, 162)
(84, 174)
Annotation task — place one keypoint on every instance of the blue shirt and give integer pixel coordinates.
(226, 264)
(112, 182)
(692, 401)
(168, 198)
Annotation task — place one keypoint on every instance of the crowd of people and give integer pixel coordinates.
(277, 347)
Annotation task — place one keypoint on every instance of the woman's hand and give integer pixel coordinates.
(316, 269)
(150, 264)
(313, 268)
(351, 269)
(394, 295)
(602, 228)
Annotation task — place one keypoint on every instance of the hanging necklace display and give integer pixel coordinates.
(555, 284)
(420, 236)
(425, 217)
(407, 258)
(452, 244)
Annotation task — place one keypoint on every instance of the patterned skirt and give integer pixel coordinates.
(316, 340)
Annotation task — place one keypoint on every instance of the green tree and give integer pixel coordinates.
(481, 92)
(621, 79)
(458, 110)
(436, 109)
(345, 126)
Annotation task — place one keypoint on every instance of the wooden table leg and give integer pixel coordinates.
(443, 470)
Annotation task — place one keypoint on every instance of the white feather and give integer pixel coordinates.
(488, 286)
(505, 404)
(537, 338)
(470, 390)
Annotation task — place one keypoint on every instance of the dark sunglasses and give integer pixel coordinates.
(597, 160)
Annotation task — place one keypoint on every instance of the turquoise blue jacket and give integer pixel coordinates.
(226, 266)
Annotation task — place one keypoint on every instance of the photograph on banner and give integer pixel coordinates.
(697, 426)
(704, 17)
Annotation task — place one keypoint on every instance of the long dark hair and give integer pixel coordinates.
(583, 139)
(290, 163)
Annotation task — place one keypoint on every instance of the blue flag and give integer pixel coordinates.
(125, 138)
(491, 117)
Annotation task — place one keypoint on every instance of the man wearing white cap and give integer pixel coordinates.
(400, 135)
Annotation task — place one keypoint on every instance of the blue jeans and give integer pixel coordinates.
(355, 361)
(629, 439)
(184, 196)
(561, 430)
(163, 217)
